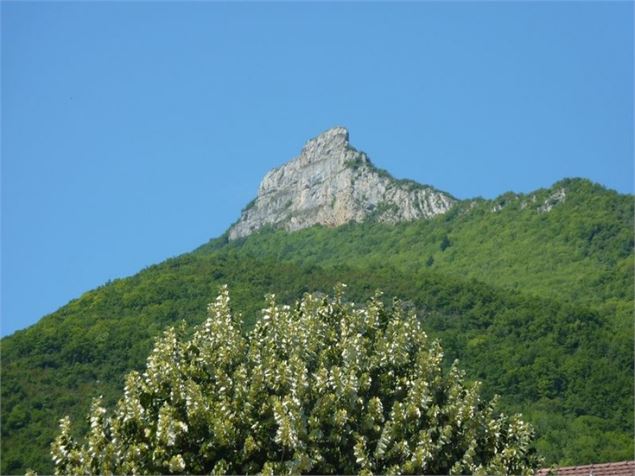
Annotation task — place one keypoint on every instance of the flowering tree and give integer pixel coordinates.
(320, 387)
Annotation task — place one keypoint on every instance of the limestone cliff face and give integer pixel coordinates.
(330, 183)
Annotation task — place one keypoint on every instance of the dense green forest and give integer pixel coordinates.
(536, 304)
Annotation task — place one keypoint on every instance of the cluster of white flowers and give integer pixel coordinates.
(322, 387)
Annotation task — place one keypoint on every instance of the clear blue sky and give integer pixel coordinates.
(132, 132)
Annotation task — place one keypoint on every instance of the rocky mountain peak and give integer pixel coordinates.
(331, 183)
(331, 140)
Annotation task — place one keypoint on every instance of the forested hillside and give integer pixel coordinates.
(535, 301)
(581, 249)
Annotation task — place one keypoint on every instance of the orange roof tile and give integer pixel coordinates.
(622, 468)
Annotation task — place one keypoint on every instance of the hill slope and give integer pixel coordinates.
(580, 250)
(534, 293)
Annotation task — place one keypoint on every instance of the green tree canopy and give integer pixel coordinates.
(321, 387)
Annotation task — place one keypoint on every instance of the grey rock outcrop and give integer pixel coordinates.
(331, 183)
(554, 199)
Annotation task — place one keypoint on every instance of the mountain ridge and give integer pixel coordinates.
(331, 183)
